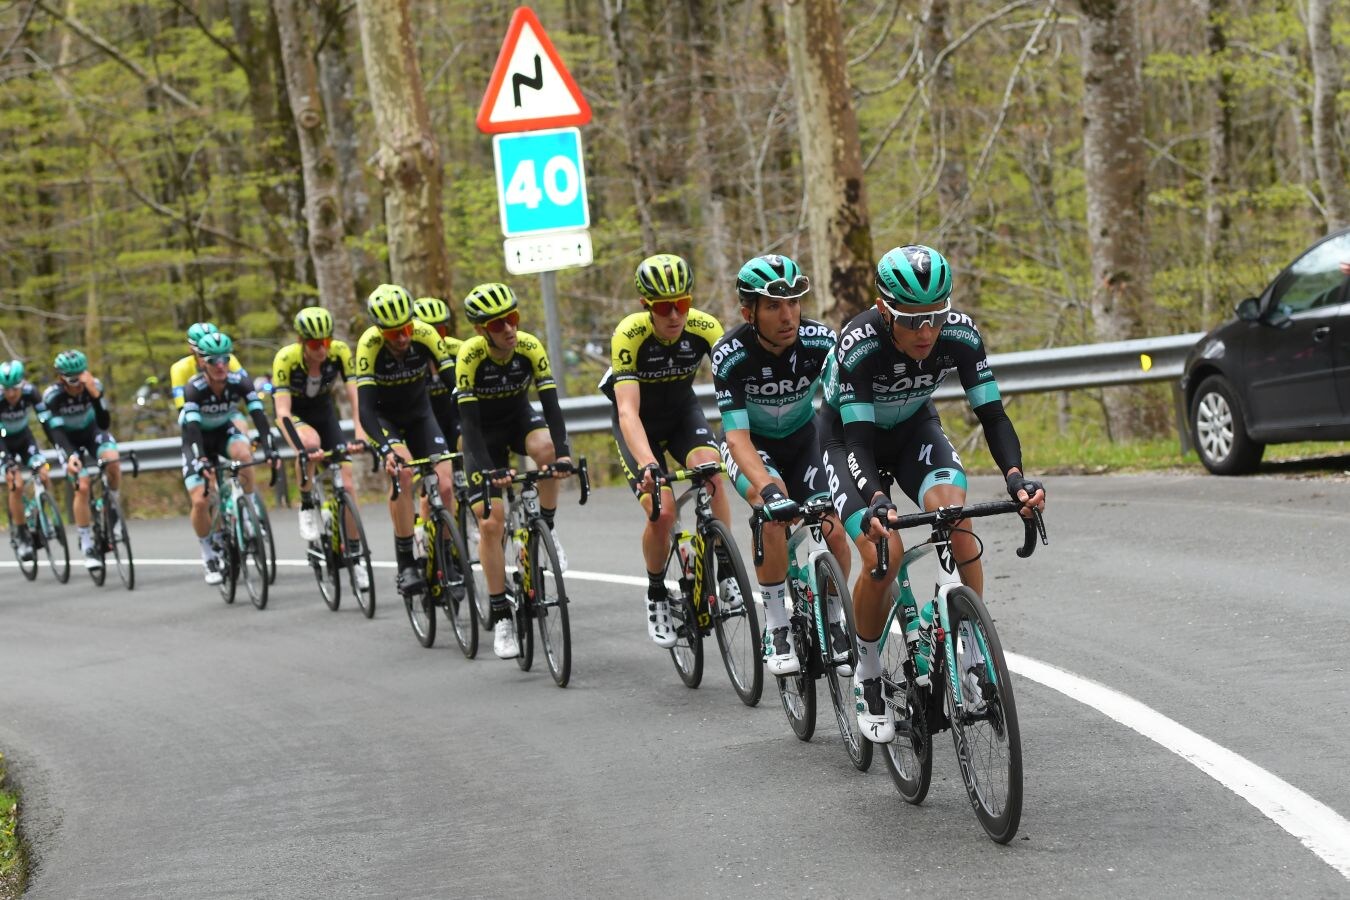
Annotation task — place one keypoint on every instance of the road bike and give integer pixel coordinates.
(537, 591)
(42, 518)
(975, 699)
(109, 524)
(236, 533)
(341, 544)
(438, 548)
(821, 619)
(698, 567)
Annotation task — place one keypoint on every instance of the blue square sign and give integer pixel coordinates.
(541, 181)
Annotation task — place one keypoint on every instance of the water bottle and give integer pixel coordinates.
(419, 539)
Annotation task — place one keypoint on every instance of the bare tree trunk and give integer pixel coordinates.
(629, 83)
(836, 196)
(1326, 83)
(1220, 155)
(408, 161)
(952, 183)
(1114, 161)
(713, 188)
(323, 198)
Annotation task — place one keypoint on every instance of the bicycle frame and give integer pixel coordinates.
(805, 545)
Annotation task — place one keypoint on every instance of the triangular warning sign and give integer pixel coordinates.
(530, 87)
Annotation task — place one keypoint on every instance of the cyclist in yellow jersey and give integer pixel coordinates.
(492, 378)
(393, 359)
(304, 375)
(654, 356)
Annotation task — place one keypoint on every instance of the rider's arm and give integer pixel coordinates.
(190, 420)
(972, 365)
(856, 410)
(548, 396)
(95, 393)
(471, 355)
(628, 401)
(256, 412)
(51, 423)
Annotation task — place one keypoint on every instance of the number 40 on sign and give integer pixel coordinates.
(541, 181)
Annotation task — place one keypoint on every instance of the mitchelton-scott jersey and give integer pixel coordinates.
(664, 370)
(765, 393)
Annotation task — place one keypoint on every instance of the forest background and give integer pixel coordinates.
(1093, 170)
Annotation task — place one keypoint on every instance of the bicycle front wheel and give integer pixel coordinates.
(323, 561)
(984, 723)
(29, 566)
(909, 758)
(268, 542)
(550, 604)
(252, 553)
(454, 586)
(687, 654)
(468, 527)
(798, 692)
(733, 614)
(356, 554)
(119, 542)
(835, 604)
(54, 538)
(100, 543)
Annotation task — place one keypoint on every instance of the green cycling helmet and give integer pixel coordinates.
(196, 330)
(663, 276)
(488, 301)
(314, 323)
(11, 374)
(390, 306)
(431, 310)
(71, 362)
(773, 276)
(914, 275)
(215, 343)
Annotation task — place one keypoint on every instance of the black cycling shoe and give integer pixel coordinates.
(411, 580)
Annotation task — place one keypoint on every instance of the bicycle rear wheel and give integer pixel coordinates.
(100, 540)
(355, 553)
(252, 554)
(119, 542)
(687, 654)
(468, 527)
(550, 605)
(798, 692)
(421, 609)
(228, 554)
(457, 601)
(909, 758)
(736, 624)
(833, 603)
(28, 567)
(984, 730)
(323, 561)
(54, 538)
(268, 542)
(521, 616)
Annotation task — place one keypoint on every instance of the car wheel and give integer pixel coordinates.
(1220, 431)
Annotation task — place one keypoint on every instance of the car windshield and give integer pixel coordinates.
(1316, 279)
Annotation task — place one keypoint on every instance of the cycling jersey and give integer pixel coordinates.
(206, 412)
(310, 393)
(393, 389)
(765, 393)
(491, 393)
(72, 422)
(14, 416)
(664, 370)
(873, 386)
(181, 372)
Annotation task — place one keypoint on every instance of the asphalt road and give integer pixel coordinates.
(171, 746)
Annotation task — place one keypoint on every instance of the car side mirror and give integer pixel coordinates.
(1279, 316)
(1249, 310)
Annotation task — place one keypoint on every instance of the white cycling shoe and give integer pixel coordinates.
(780, 652)
(213, 572)
(362, 577)
(504, 642)
(309, 524)
(875, 720)
(659, 626)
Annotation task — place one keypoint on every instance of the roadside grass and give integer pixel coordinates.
(13, 855)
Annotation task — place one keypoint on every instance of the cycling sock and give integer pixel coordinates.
(86, 537)
(208, 550)
(656, 585)
(775, 608)
(548, 515)
(869, 661)
(500, 608)
(403, 551)
(306, 500)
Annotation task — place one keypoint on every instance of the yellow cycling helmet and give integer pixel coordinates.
(663, 276)
(488, 301)
(390, 306)
(431, 310)
(314, 323)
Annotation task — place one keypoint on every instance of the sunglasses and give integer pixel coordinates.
(71, 379)
(391, 333)
(670, 307)
(499, 324)
(915, 321)
(318, 343)
(782, 289)
(218, 360)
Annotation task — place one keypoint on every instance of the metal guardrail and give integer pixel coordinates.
(1024, 372)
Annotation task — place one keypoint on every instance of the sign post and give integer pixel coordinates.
(532, 106)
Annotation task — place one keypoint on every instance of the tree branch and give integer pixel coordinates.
(21, 30)
(230, 51)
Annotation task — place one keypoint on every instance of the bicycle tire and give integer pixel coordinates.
(326, 573)
(988, 744)
(229, 564)
(550, 607)
(98, 575)
(54, 532)
(468, 527)
(252, 554)
(460, 610)
(269, 543)
(29, 568)
(522, 618)
(687, 654)
(365, 599)
(831, 587)
(119, 542)
(797, 692)
(909, 758)
(738, 634)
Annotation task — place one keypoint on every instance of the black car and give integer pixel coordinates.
(1280, 372)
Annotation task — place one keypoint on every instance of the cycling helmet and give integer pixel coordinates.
(215, 343)
(314, 323)
(913, 275)
(11, 374)
(488, 301)
(772, 276)
(663, 276)
(71, 362)
(431, 310)
(196, 330)
(390, 306)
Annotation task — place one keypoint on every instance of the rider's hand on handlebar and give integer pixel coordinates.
(563, 467)
(880, 511)
(777, 506)
(1031, 494)
(74, 465)
(650, 475)
(501, 477)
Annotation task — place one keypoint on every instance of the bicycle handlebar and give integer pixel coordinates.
(1031, 527)
(543, 473)
(810, 512)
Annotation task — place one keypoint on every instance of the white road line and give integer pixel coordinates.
(1317, 826)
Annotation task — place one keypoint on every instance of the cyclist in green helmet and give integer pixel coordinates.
(19, 449)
